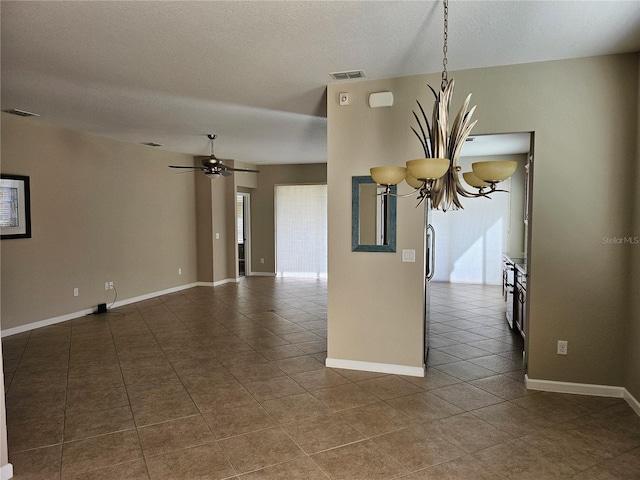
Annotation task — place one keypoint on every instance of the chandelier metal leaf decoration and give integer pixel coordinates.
(437, 176)
(437, 142)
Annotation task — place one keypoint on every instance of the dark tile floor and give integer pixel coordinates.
(229, 382)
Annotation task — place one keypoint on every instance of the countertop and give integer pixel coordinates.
(518, 259)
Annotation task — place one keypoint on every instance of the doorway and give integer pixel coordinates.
(243, 236)
(469, 259)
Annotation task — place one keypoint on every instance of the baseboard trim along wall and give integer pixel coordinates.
(262, 274)
(70, 316)
(375, 367)
(6, 472)
(583, 389)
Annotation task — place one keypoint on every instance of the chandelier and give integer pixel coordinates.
(437, 176)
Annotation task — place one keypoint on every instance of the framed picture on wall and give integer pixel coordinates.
(15, 209)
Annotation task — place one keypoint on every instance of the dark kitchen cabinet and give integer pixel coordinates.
(520, 300)
(514, 290)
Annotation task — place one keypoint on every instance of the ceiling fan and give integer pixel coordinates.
(213, 166)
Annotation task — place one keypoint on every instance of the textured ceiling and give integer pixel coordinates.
(255, 72)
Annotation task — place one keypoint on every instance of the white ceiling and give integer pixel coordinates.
(255, 72)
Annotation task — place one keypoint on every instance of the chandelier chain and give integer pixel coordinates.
(445, 80)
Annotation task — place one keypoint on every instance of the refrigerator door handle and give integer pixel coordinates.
(431, 250)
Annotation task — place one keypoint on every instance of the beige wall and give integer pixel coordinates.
(632, 377)
(204, 226)
(583, 114)
(101, 211)
(262, 207)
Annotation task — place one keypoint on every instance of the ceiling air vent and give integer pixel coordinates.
(20, 113)
(347, 75)
(152, 144)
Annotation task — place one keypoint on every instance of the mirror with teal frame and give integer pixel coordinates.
(373, 217)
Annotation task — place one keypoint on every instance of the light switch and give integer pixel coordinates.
(408, 255)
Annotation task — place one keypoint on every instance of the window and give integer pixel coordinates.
(301, 230)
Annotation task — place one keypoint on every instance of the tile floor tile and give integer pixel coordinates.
(468, 432)
(388, 387)
(94, 453)
(295, 407)
(376, 419)
(462, 468)
(358, 461)
(134, 470)
(503, 387)
(319, 379)
(205, 462)
(174, 435)
(423, 407)
(303, 468)
(465, 396)
(235, 420)
(263, 390)
(91, 423)
(345, 396)
(465, 370)
(323, 432)
(256, 450)
(527, 462)
(41, 464)
(417, 447)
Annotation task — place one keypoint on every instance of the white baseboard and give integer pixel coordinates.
(221, 282)
(375, 367)
(6, 472)
(632, 401)
(262, 274)
(583, 389)
(70, 316)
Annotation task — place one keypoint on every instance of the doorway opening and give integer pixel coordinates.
(243, 236)
(475, 246)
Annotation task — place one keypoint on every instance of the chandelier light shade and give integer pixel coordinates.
(437, 176)
(388, 175)
(413, 181)
(473, 180)
(494, 171)
(424, 169)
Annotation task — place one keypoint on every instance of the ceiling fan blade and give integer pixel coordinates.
(224, 173)
(241, 169)
(181, 166)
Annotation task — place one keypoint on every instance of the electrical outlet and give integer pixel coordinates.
(106, 285)
(76, 292)
(262, 260)
(563, 345)
(343, 98)
(110, 285)
(179, 271)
